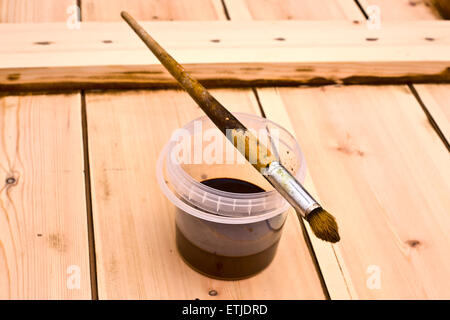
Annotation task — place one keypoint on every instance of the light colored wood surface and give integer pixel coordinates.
(389, 164)
(134, 222)
(328, 257)
(435, 97)
(332, 266)
(34, 10)
(293, 10)
(412, 10)
(43, 222)
(99, 55)
(109, 10)
(437, 100)
(379, 167)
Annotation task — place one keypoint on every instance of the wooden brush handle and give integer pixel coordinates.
(218, 114)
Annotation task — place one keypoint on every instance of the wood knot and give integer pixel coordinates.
(371, 39)
(43, 43)
(213, 293)
(57, 242)
(13, 76)
(429, 39)
(11, 181)
(215, 40)
(280, 39)
(413, 243)
(107, 41)
(349, 151)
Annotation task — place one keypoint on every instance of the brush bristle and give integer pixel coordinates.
(323, 225)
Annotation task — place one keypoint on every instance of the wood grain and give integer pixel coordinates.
(332, 266)
(50, 56)
(134, 222)
(379, 167)
(412, 10)
(43, 232)
(436, 99)
(34, 10)
(109, 10)
(293, 10)
(328, 256)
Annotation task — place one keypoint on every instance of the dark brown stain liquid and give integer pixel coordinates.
(228, 251)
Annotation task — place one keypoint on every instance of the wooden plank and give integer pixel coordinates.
(109, 10)
(43, 223)
(34, 10)
(402, 9)
(436, 99)
(49, 56)
(293, 10)
(380, 168)
(134, 222)
(328, 256)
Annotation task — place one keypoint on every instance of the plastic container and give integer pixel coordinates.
(222, 234)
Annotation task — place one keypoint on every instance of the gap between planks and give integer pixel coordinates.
(328, 256)
(431, 119)
(305, 233)
(87, 183)
(424, 9)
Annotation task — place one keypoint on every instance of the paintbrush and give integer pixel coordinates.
(267, 163)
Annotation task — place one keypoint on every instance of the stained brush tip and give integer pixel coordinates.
(323, 225)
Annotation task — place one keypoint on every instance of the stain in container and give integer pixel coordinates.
(226, 257)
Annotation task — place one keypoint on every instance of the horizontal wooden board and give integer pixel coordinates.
(134, 222)
(43, 220)
(100, 55)
(380, 168)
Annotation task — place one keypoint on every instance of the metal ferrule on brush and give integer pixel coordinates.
(290, 188)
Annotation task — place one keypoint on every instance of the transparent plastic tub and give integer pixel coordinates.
(223, 234)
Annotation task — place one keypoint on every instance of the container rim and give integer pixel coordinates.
(256, 197)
